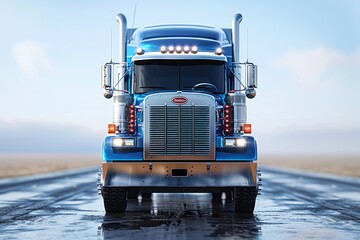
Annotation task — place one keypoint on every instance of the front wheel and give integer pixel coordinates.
(244, 199)
(115, 200)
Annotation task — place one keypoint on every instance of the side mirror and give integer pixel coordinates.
(251, 75)
(107, 80)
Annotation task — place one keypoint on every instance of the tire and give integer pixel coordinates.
(244, 199)
(229, 195)
(216, 196)
(132, 194)
(146, 195)
(114, 199)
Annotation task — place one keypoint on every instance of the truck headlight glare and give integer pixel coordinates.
(118, 142)
(235, 142)
(123, 142)
(129, 142)
(241, 142)
(230, 142)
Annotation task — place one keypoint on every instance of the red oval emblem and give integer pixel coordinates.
(179, 100)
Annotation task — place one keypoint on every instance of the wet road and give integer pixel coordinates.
(292, 206)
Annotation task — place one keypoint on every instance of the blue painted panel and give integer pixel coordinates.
(234, 154)
(125, 154)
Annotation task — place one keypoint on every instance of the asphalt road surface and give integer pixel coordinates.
(293, 205)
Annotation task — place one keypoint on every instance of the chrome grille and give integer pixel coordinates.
(179, 131)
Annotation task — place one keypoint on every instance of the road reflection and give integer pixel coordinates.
(180, 216)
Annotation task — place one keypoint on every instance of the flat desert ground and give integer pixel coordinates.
(337, 165)
(22, 165)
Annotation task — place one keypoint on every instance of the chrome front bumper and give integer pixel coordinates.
(180, 175)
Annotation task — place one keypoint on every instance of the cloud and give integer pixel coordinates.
(37, 137)
(31, 58)
(320, 67)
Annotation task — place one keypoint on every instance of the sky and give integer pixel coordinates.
(307, 52)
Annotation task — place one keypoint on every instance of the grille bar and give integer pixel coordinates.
(179, 131)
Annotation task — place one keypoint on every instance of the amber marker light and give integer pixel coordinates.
(111, 128)
(247, 128)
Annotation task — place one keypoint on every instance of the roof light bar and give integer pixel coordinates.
(178, 49)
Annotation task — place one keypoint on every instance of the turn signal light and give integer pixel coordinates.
(247, 128)
(111, 128)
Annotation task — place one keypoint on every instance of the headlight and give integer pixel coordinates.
(235, 142)
(230, 142)
(123, 142)
(241, 142)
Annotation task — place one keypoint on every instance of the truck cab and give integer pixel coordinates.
(179, 116)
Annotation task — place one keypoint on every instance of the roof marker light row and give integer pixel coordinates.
(178, 49)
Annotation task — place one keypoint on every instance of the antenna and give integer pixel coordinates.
(247, 44)
(132, 27)
(110, 44)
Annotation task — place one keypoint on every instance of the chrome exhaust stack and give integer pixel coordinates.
(121, 97)
(250, 69)
(121, 19)
(236, 50)
(237, 99)
(109, 72)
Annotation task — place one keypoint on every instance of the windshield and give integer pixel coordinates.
(150, 75)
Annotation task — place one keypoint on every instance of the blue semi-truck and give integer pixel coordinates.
(179, 116)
